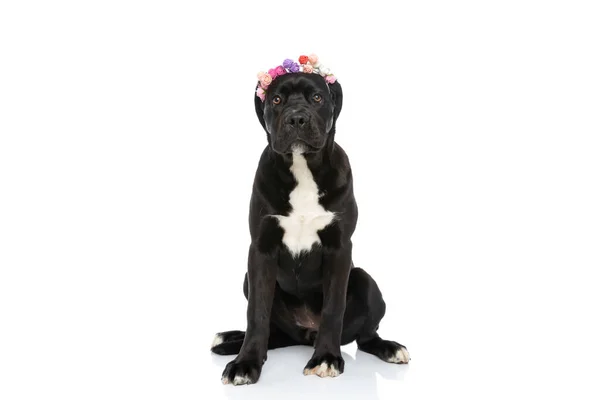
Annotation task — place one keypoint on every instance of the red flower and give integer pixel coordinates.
(303, 60)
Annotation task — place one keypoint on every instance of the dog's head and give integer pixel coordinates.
(299, 112)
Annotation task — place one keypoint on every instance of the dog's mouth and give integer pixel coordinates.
(301, 147)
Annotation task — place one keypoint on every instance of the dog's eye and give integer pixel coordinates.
(317, 98)
(276, 100)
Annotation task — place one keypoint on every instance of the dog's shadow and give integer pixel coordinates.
(282, 377)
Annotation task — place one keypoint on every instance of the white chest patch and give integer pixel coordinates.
(307, 216)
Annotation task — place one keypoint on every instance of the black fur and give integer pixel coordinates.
(317, 298)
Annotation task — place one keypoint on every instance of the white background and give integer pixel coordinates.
(128, 145)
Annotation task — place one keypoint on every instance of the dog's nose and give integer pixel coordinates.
(297, 120)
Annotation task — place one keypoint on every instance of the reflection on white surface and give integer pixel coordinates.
(282, 375)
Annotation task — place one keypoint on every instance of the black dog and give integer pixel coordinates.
(302, 287)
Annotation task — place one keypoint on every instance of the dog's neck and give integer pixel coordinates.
(315, 160)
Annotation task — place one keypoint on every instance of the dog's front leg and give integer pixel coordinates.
(327, 359)
(262, 273)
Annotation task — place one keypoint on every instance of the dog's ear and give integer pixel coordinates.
(259, 107)
(337, 97)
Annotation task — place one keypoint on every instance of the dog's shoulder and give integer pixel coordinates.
(341, 162)
(273, 182)
(335, 176)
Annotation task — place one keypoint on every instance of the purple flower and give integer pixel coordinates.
(287, 63)
(294, 67)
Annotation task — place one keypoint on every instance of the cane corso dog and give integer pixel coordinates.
(301, 285)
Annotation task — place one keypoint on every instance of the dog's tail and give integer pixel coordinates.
(228, 343)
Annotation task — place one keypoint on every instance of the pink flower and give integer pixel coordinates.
(265, 80)
(307, 68)
(273, 73)
(260, 75)
(330, 79)
(260, 92)
(313, 59)
(280, 70)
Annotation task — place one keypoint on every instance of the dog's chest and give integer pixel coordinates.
(307, 217)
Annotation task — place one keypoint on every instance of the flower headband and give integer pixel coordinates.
(307, 64)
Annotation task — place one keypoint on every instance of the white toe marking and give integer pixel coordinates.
(241, 380)
(333, 372)
(217, 341)
(323, 370)
(401, 356)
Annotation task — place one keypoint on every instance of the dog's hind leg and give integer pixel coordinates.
(364, 310)
(228, 343)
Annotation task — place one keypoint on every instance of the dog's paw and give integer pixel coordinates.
(241, 372)
(399, 355)
(387, 350)
(325, 365)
